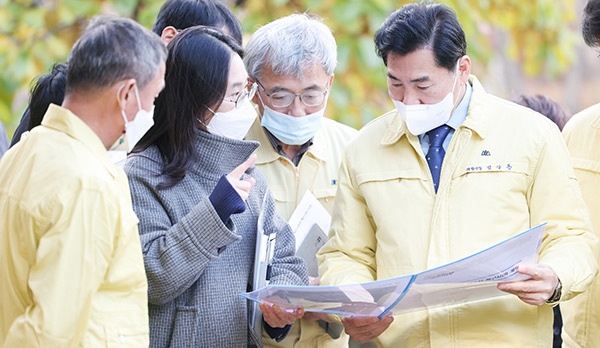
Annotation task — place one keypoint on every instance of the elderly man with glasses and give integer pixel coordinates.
(291, 60)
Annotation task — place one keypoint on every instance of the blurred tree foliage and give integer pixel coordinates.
(34, 34)
(540, 34)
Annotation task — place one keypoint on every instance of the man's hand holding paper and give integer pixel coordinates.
(537, 290)
(364, 329)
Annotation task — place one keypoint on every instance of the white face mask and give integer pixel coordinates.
(289, 129)
(421, 118)
(292, 130)
(134, 130)
(233, 124)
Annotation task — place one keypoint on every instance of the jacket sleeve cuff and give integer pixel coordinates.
(226, 200)
(276, 333)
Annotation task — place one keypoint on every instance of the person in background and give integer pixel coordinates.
(559, 116)
(3, 140)
(201, 205)
(544, 106)
(48, 89)
(174, 15)
(292, 61)
(581, 315)
(71, 266)
(447, 174)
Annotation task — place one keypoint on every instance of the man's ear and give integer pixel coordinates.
(464, 68)
(252, 81)
(123, 92)
(168, 34)
(331, 78)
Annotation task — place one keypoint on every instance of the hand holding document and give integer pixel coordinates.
(310, 221)
(469, 279)
(278, 317)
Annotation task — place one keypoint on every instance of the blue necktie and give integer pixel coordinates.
(436, 152)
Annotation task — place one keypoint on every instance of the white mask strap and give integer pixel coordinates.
(137, 95)
(122, 110)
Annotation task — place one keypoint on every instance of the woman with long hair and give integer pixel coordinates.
(201, 204)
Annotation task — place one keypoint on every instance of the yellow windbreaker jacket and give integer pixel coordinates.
(506, 170)
(318, 173)
(71, 266)
(581, 315)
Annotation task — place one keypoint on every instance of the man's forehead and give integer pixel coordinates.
(414, 78)
(416, 74)
(293, 83)
(311, 73)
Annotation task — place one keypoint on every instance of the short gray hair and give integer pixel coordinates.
(290, 45)
(112, 49)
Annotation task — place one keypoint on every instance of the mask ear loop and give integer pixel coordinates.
(122, 111)
(211, 110)
(202, 123)
(456, 75)
(454, 103)
(203, 126)
(253, 90)
(137, 95)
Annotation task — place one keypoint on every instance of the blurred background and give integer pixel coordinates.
(516, 46)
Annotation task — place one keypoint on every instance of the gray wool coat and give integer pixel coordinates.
(197, 267)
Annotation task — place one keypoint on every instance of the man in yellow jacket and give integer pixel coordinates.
(581, 315)
(291, 60)
(451, 171)
(71, 265)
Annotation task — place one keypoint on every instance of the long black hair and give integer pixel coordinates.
(49, 88)
(196, 75)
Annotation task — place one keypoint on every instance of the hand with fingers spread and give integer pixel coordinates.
(364, 329)
(242, 187)
(537, 290)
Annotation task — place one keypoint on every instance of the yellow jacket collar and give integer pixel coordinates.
(65, 121)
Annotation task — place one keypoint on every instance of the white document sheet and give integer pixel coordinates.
(310, 222)
(469, 279)
(308, 213)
